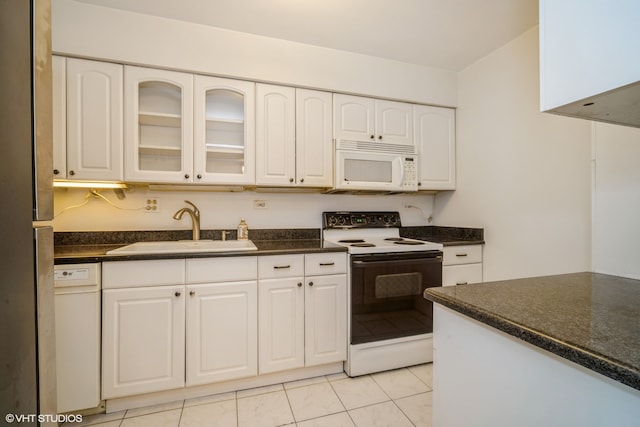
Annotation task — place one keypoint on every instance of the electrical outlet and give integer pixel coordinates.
(152, 205)
(259, 204)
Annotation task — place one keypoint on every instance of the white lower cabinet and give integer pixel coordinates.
(325, 319)
(209, 314)
(221, 322)
(173, 323)
(302, 319)
(281, 324)
(461, 265)
(142, 340)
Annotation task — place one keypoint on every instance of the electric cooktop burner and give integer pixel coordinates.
(351, 241)
(407, 242)
(363, 245)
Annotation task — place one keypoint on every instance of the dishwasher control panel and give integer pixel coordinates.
(76, 275)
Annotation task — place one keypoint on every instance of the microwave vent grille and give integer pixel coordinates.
(375, 147)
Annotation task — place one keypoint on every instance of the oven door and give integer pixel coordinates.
(387, 294)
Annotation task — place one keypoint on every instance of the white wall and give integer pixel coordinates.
(522, 175)
(616, 200)
(98, 32)
(221, 210)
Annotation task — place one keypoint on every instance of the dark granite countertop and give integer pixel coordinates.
(588, 318)
(72, 254)
(448, 236)
(92, 246)
(83, 247)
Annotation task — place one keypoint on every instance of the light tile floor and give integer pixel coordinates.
(397, 398)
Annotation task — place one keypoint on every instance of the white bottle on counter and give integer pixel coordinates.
(243, 230)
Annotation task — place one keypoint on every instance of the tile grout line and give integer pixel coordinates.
(341, 402)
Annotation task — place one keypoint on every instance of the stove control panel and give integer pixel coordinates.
(360, 219)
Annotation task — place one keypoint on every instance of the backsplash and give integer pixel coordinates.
(79, 210)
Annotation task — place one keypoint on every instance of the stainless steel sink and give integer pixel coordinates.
(185, 246)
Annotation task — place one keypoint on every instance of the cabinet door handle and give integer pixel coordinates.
(192, 293)
(299, 284)
(290, 179)
(301, 179)
(310, 283)
(186, 175)
(177, 294)
(373, 137)
(462, 283)
(327, 264)
(379, 136)
(199, 176)
(281, 267)
(461, 255)
(72, 173)
(56, 172)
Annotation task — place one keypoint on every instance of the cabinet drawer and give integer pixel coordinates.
(223, 269)
(453, 255)
(461, 274)
(325, 263)
(126, 274)
(274, 266)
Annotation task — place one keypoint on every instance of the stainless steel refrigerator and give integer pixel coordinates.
(27, 341)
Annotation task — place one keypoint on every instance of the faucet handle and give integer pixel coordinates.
(195, 208)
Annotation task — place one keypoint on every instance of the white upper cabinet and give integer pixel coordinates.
(589, 48)
(293, 137)
(275, 135)
(353, 118)
(88, 129)
(182, 128)
(314, 142)
(434, 132)
(394, 122)
(59, 100)
(359, 118)
(224, 131)
(158, 125)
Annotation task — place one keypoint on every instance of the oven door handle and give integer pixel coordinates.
(436, 259)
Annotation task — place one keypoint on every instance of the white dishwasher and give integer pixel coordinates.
(77, 305)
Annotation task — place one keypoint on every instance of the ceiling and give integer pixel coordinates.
(447, 34)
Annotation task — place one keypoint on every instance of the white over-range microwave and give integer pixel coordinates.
(371, 166)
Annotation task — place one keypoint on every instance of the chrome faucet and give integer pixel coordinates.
(195, 218)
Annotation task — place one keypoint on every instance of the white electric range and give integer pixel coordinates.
(390, 322)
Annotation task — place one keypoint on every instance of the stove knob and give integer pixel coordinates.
(341, 220)
(333, 220)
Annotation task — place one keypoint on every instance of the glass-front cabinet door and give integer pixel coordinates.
(158, 125)
(224, 139)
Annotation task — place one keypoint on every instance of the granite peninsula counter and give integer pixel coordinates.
(568, 345)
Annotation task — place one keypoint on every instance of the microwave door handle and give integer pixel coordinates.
(399, 176)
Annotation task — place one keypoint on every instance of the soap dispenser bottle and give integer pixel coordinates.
(243, 230)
